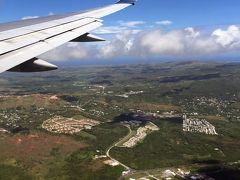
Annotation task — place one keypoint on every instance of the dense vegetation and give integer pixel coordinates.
(172, 147)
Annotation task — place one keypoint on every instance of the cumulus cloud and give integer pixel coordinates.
(120, 46)
(192, 32)
(228, 37)
(149, 43)
(156, 42)
(70, 51)
(187, 42)
(165, 22)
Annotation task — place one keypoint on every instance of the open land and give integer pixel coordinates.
(173, 120)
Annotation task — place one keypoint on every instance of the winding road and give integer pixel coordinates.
(128, 169)
(114, 145)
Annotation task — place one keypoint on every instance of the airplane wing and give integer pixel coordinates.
(23, 41)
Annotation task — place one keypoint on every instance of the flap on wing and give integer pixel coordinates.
(34, 65)
(127, 2)
(88, 38)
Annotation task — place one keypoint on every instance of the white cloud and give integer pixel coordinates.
(70, 51)
(227, 37)
(192, 32)
(157, 42)
(30, 17)
(120, 46)
(165, 22)
(120, 27)
(187, 42)
(110, 30)
(131, 24)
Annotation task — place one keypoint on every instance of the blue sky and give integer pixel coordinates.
(212, 24)
(181, 12)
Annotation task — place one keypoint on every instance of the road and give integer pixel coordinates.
(128, 169)
(114, 145)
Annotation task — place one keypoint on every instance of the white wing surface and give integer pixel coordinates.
(23, 41)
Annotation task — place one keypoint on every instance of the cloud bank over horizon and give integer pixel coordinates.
(138, 40)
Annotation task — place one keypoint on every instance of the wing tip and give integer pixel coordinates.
(127, 2)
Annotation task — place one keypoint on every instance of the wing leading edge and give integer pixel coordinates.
(23, 41)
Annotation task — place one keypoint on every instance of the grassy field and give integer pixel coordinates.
(43, 155)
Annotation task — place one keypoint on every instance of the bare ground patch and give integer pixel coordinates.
(35, 147)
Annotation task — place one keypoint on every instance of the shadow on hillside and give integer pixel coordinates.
(214, 169)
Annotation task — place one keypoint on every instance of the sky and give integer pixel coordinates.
(152, 30)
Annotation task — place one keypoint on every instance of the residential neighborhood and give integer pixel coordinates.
(142, 132)
(198, 125)
(68, 125)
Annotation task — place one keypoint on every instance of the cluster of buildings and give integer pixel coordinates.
(111, 162)
(97, 113)
(140, 135)
(68, 125)
(9, 118)
(126, 95)
(167, 174)
(218, 106)
(171, 174)
(198, 125)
